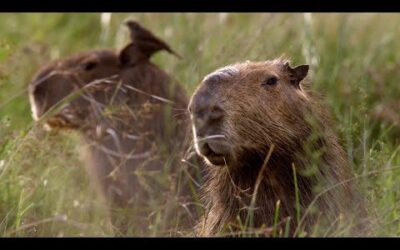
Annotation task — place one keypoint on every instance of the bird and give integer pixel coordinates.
(146, 40)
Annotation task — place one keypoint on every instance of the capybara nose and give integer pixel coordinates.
(205, 109)
(38, 91)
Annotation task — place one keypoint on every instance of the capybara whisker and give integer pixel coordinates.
(211, 137)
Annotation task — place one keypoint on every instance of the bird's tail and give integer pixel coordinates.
(175, 54)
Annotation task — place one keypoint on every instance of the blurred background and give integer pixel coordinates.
(354, 59)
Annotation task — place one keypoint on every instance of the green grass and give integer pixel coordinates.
(355, 60)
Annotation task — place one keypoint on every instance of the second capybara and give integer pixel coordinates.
(124, 106)
(272, 158)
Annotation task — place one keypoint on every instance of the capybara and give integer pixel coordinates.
(272, 158)
(125, 108)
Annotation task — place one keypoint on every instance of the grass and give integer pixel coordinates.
(355, 58)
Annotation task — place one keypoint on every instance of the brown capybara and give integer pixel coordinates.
(272, 160)
(125, 108)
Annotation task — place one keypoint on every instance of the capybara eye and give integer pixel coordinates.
(270, 81)
(89, 65)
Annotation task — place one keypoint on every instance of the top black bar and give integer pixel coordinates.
(200, 6)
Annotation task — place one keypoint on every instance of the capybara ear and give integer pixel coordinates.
(124, 57)
(130, 55)
(300, 72)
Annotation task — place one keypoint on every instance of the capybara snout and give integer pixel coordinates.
(47, 91)
(56, 81)
(207, 116)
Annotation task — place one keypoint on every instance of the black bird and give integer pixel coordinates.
(147, 41)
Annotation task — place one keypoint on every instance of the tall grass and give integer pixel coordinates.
(44, 190)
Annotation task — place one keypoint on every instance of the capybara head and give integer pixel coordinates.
(92, 80)
(239, 111)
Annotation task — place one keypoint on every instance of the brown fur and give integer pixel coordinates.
(125, 110)
(284, 119)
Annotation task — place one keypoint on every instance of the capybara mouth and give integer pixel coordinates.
(60, 122)
(215, 151)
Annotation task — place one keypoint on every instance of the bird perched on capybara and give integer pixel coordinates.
(125, 108)
(147, 41)
(272, 158)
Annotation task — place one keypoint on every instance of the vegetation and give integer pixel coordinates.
(355, 59)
